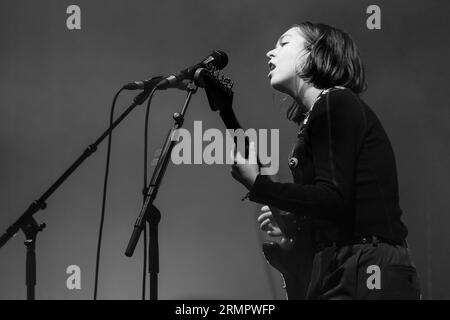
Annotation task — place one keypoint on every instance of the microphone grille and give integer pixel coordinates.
(220, 59)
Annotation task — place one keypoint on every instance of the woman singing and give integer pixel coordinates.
(344, 171)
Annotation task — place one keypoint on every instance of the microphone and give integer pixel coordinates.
(180, 80)
(148, 84)
(217, 58)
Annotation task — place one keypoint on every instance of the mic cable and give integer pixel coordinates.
(105, 186)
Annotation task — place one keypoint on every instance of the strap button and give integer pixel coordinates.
(293, 162)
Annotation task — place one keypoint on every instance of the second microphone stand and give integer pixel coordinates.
(149, 213)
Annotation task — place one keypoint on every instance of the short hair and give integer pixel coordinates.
(333, 61)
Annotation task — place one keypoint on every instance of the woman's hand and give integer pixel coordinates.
(268, 224)
(245, 171)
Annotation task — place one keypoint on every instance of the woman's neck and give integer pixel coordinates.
(307, 96)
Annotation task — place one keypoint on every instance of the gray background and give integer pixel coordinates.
(55, 92)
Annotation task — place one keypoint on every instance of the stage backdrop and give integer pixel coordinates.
(56, 86)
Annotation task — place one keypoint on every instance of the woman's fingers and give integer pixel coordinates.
(237, 157)
(265, 219)
(264, 216)
(275, 232)
(266, 225)
(233, 154)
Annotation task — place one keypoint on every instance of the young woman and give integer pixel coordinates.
(344, 171)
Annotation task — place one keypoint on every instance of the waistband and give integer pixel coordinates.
(362, 240)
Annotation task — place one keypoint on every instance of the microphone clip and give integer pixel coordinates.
(146, 85)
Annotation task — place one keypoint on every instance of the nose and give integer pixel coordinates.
(270, 54)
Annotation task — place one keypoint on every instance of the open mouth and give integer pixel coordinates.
(271, 66)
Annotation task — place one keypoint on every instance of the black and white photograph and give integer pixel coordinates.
(243, 151)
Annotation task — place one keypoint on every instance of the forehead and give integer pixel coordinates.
(292, 33)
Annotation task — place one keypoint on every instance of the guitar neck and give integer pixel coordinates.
(229, 119)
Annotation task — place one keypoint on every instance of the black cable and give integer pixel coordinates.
(105, 185)
(144, 190)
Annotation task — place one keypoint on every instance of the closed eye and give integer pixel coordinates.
(281, 44)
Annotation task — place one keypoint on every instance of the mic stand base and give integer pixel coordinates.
(31, 228)
(153, 220)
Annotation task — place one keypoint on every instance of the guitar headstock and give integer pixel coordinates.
(219, 89)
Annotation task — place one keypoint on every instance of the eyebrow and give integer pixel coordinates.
(282, 37)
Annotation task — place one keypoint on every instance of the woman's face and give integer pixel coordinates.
(289, 54)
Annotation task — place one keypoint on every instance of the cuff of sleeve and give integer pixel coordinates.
(259, 189)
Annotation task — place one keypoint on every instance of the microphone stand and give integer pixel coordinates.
(31, 228)
(26, 221)
(149, 213)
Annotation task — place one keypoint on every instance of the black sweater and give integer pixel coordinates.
(345, 176)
